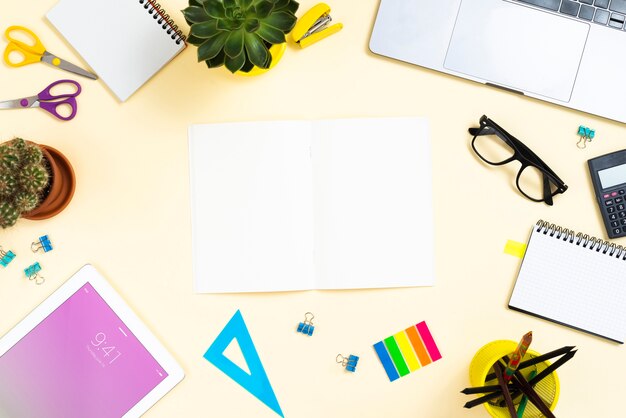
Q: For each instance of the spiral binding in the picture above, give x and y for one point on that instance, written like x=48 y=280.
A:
x=164 y=19
x=584 y=240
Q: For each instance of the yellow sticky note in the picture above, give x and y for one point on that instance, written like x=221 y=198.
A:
x=514 y=248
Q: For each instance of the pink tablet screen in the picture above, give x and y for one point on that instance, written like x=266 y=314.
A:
x=81 y=361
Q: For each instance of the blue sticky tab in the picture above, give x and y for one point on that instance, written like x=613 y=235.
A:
x=257 y=382
x=386 y=361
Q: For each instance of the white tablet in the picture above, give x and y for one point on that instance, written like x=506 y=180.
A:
x=83 y=353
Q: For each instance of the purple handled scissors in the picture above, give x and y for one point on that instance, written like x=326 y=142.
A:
x=48 y=101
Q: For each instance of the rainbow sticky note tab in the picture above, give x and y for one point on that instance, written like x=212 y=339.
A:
x=407 y=351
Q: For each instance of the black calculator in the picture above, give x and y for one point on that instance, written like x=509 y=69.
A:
x=608 y=174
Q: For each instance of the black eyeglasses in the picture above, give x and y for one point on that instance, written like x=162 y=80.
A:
x=495 y=146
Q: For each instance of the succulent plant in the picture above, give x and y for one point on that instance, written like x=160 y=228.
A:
x=23 y=178
x=238 y=33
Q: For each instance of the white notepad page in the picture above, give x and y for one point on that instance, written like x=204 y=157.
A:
x=297 y=205
x=119 y=39
x=572 y=285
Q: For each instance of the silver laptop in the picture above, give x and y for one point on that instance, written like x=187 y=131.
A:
x=571 y=53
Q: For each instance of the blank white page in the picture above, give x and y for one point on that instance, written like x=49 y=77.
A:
x=572 y=285
x=373 y=203
x=119 y=39
x=252 y=220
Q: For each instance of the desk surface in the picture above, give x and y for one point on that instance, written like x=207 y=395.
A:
x=130 y=218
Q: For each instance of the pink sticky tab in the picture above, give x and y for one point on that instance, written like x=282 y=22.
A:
x=427 y=338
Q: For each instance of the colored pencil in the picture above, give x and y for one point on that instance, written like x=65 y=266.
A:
x=517 y=355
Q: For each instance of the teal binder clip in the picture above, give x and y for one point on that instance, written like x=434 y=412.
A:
x=586 y=135
x=348 y=362
x=33 y=272
x=6 y=257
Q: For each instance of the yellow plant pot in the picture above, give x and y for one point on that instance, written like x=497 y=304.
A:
x=276 y=51
x=481 y=366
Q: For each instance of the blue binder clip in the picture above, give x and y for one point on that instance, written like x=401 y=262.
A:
x=348 y=362
x=43 y=244
x=33 y=273
x=6 y=257
x=307 y=326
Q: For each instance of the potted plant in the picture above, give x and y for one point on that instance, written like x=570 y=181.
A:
x=246 y=36
x=36 y=181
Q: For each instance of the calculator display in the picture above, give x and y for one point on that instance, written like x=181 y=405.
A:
x=613 y=176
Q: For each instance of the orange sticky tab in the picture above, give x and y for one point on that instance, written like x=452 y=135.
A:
x=418 y=345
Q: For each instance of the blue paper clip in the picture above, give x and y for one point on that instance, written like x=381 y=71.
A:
x=307 y=326
x=348 y=362
x=6 y=257
x=586 y=135
x=33 y=273
x=43 y=244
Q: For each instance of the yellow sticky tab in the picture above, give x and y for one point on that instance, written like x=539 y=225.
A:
x=407 y=351
x=514 y=248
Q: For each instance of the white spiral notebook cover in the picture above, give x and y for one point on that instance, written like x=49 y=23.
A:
x=574 y=280
x=126 y=42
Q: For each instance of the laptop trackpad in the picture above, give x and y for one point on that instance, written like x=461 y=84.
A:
x=517 y=47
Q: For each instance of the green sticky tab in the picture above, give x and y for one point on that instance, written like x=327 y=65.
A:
x=396 y=356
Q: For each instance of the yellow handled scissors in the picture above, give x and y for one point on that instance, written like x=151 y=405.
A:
x=36 y=53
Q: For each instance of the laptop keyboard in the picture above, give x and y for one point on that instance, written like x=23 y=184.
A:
x=610 y=13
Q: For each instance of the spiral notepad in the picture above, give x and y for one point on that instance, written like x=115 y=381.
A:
x=126 y=42
x=575 y=280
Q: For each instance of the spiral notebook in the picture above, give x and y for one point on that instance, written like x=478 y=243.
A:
x=574 y=280
x=126 y=42
x=326 y=204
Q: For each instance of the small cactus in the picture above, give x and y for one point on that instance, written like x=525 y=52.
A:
x=23 y=178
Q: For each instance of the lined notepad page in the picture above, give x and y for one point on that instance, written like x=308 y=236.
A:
x=573 y=285
x=119 y=39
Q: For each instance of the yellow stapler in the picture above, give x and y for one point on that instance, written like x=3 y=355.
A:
x=313 y=26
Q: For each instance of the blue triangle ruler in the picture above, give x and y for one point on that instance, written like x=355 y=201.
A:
x=256 y=382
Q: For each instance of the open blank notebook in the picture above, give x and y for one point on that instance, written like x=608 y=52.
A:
x=334 y=204
x=125 y=41
x=574 y=280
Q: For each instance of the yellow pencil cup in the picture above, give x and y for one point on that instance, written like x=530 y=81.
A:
x=482 y=365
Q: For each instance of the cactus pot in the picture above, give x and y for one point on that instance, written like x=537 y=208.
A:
x=60 y=191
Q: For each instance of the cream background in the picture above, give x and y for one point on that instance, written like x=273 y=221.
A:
x=130 y=218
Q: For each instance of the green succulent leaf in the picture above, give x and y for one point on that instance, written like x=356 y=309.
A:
x=235 y=64
x=252 y=25
x=234 y=44
x=229 y=24
x=230 y=4
x=215 y=9
x=245 y=3
x=217 y=61
x=256 y=50
x=284 y=21
x=194 y=40
x=270 y=34
x=198 y=3
x=195 y=14
x=212 y=46
x=204 y=29
x=264 y=8
x=280 y=4
x=292 y=7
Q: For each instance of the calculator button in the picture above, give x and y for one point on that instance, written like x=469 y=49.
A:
x=608 y=202
x=617 y=231
x=624 y=229
x=619 y=200
x=622 y=192
x=613 y=194
x=623 y=221
x=621 y=207
x=613 y=217
x=611 y=209
x=616 y=224
x=622 y=214
x=606 y=196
